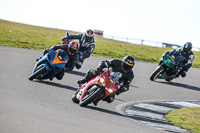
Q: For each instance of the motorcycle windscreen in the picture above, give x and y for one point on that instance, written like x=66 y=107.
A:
x=173 y=58
x=114 y=77
x=177 y=57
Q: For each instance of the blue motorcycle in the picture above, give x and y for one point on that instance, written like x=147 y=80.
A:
x=49 y=65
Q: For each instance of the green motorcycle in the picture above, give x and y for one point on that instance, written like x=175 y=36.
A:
x=169 y=66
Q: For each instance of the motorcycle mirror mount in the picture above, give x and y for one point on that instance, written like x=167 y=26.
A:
x=67 y=35
x=107 y=65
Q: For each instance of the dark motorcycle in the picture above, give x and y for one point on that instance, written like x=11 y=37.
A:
x=169 y=66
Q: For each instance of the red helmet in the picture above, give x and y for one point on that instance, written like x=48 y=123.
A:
x=73 y=47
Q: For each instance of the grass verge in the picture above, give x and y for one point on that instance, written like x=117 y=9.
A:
x=187 y=118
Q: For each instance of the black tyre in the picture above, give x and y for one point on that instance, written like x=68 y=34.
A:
x=87 y=99
x=69 y=67
x=168 y=80
x=37 y=73
x=156 y=73
x=74 y=99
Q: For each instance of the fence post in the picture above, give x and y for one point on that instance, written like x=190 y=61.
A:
x=142 y=41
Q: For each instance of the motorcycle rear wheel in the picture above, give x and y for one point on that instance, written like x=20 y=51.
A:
x=87 y=99
x=37 y=73
x=156 y=73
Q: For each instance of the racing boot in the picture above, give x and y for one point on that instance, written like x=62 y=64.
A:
x=81 y=81
x=89 y=75
x=183 y=74
x=178 y=74
x=169 y=80
x=51 y=78
x=95 y=102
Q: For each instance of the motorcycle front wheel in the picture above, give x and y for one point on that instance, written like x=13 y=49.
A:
x=74 y=99
x=156 y=73
x=88 y=98
x=38 y=73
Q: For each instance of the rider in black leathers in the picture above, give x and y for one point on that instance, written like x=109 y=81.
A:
x=186 y=52
x=122 y=66
x=188 y=55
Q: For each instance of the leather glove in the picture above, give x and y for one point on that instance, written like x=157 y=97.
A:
x=45 y=51
x=80 y=57
x=182 y=65
x=65 y=38
x=99 y=69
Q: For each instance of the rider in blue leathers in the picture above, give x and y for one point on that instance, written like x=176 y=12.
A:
x=87 y=45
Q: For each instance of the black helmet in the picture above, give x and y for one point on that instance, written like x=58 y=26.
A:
x=89 y=35
x=73 y=47
x=128 y=63
x=187 y=47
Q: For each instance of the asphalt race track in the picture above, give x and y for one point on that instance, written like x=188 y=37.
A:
x=46 y=106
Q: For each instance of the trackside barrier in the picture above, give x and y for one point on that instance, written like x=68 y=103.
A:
x=140 y=41
x=146 y=42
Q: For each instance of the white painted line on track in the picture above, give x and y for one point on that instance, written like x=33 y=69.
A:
x=154 y=107
x=185 y=104
x=165 y=127
x=144 y=114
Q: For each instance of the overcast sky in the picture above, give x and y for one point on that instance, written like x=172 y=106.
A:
x=172 y=21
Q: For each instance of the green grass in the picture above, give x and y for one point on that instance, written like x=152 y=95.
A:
x=34 y=37
x=187 y=118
